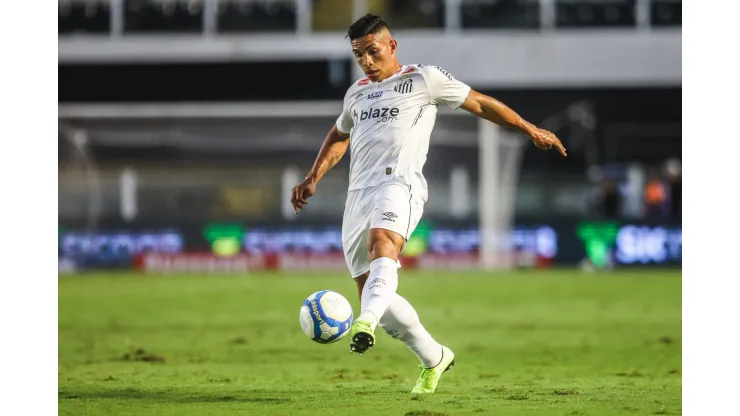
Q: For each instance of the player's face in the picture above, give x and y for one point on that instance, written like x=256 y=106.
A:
x=376 y=55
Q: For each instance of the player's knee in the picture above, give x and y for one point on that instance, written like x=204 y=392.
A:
x=384 y=243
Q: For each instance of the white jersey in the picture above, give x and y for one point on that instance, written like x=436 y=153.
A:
x=390 y=122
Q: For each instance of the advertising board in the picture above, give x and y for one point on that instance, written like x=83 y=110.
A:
x=238 y=247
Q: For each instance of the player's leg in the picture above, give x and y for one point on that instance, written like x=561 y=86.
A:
x=384 y=247
x=391 y=220
x=399 y=319
x=377 y=289
x=389 y=223
x=355 y=240
x=402 y=322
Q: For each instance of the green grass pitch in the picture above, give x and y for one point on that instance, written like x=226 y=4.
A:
x=527 y=343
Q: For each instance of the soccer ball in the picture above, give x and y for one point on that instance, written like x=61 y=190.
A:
x=326 y=316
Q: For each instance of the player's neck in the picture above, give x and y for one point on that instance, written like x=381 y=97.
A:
x=396 y=70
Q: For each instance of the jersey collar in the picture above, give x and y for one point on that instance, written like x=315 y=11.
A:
x=400 y=70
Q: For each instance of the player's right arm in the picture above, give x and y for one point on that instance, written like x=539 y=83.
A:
x=331 y=152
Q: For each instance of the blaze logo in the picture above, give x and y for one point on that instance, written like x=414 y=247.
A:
x=383 y=114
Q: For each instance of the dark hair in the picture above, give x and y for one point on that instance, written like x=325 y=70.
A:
x=366 y=25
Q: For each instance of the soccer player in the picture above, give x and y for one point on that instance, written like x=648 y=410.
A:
x=386 y=120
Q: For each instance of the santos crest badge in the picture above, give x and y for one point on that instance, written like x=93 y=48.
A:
x=404 y=87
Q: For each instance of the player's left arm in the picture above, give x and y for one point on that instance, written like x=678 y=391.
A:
x=491 y=109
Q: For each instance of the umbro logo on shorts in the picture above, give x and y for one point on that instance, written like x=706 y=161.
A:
x=389 y=216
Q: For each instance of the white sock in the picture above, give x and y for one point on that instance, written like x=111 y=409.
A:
x=379 y=289
x=401 y=322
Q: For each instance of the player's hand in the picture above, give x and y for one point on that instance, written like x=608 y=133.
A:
x=546 y=140
x=301 y=193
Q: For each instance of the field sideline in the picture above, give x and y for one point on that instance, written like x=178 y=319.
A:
x=527 y=343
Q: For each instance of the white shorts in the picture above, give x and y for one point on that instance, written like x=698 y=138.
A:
x=391 y=205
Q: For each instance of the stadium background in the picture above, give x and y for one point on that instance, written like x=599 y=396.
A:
x=182 y=125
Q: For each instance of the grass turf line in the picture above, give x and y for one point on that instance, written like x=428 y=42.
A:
x=527 y=343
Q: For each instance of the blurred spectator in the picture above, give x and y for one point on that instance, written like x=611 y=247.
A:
x=633 y=190
x=673 y=178
x=655 y=195
x=608 y=201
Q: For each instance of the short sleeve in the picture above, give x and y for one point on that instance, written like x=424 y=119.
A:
x=444 y=88
x=345 y=122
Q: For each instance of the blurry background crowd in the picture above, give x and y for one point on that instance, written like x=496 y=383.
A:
x=183 y=123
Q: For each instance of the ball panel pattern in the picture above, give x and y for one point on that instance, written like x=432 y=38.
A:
x=320 y=313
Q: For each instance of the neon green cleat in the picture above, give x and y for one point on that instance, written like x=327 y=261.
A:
x=362 y=336
x=429 y=377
